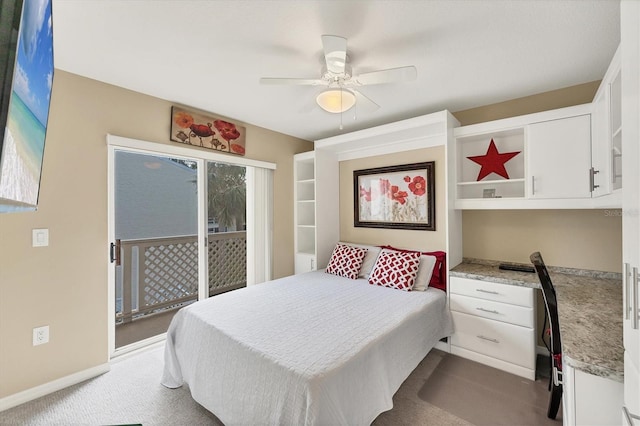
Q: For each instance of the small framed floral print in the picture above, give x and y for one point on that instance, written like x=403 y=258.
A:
x=396 y=197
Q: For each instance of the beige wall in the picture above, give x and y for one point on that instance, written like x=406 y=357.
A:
x=585 y=239
x=569 y=96
x=426 y=240
x=589 y=239
x=65 y=285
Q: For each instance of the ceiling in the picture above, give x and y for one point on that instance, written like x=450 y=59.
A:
x=211 y=54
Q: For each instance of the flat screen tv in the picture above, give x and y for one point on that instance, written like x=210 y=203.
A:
x=26 y=75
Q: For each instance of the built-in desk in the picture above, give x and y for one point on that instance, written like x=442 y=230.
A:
x=589 y=310
x=590 y=315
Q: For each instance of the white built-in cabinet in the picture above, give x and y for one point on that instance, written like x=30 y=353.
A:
x=617 y=123
x=630 y=74
x=494 y=324
x=304 y=212
x=317 y=184
x=553 y=167
x=316 y=216
x=607 y=131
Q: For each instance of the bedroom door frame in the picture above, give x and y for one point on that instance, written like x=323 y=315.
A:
x=258 y=240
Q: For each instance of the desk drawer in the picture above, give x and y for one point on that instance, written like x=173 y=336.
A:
x=507 y=342
x=504 y=293
x=513 y=314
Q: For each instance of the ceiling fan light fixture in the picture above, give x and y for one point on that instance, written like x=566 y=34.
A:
x=336 y=101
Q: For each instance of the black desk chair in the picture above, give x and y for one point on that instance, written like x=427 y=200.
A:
x=551 y=304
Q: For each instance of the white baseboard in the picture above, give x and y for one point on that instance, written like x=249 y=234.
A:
x=50 y=387
x=495 y=363
x=443 y=346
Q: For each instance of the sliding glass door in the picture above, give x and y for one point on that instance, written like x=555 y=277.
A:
x=156 y=235
x=184 y=225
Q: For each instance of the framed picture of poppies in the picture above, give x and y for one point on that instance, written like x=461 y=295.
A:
x=193 y=128
x=396 y=197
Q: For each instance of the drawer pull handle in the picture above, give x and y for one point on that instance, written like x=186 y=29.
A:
x=627 y=288
x=488 y=310
x=481 y=290
x=488 y=338
x=634 y=297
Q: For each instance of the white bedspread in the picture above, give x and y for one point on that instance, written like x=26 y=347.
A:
x=310 y=349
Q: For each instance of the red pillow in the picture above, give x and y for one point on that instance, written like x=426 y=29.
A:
x=395 y=269
x=439 y=277
x=346 y=261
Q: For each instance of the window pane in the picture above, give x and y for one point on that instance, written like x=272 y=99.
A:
x=227 y=201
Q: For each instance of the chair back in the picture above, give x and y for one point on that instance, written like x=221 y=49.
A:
x=550 y=301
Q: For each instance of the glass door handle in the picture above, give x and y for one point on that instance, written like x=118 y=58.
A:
x=114 y=252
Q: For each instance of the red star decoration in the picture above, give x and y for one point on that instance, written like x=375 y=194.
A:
x=493 y=161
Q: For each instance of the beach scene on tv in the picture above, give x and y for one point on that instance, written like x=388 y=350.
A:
x=24 y=135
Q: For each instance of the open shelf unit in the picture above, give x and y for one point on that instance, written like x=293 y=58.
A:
x=305 y=208
x=493 y=185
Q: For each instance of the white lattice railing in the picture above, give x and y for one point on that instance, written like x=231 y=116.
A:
x=158 y=274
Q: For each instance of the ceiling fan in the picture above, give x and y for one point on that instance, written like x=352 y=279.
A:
x=341 y=93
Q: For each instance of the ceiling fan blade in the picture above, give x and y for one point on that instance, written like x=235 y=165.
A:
x=335 y=53
x=364 y=102
x=292 y=81
x=393 y=75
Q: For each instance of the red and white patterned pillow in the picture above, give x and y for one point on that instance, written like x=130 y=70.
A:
x=346 y=261
x=395 y=269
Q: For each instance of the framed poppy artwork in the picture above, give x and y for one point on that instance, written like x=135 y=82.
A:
x=396 y=197
x=196 y=129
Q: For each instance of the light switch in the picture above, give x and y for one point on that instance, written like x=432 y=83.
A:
x=40 y=237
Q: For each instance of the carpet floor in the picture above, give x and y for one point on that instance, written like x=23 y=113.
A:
x=442 y=390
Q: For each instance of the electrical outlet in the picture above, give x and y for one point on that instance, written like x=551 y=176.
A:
x=40 y=335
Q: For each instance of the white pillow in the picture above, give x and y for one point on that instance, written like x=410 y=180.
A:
x=369 y=258
x=425 y=271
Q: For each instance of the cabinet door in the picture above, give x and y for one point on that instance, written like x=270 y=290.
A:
x=304 y=263
x=559 y=158
x=630 y=63
x=596 y=400
x=631 y=388
x=601 y=144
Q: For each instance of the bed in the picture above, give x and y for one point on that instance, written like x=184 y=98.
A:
x=309 y=349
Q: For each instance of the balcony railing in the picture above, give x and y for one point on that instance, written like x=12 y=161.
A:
x=159 y=274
